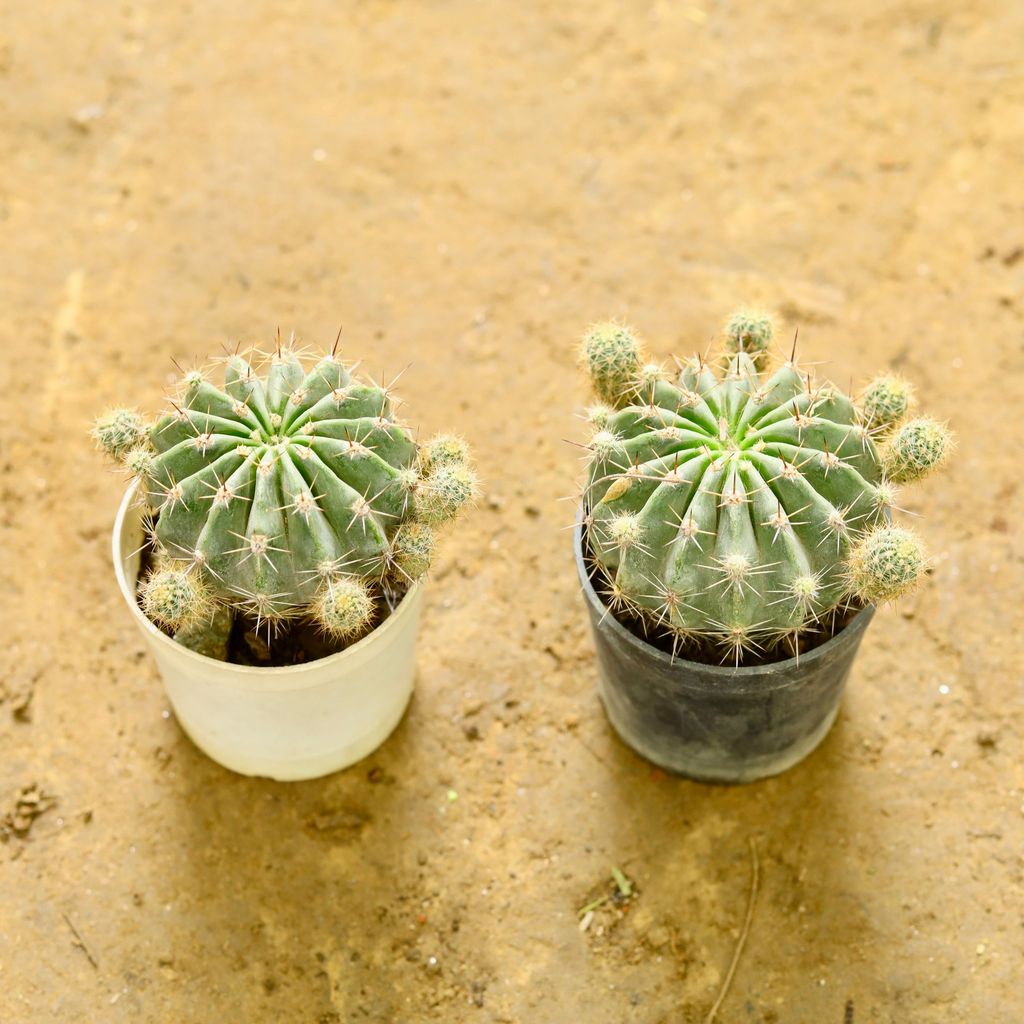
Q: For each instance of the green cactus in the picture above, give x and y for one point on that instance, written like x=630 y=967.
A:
x=294 y=494
x=119 y=431
x=915 y=449
x=611 y=356
x=176 y=598
x=412 y=549
x=751 y=332
x=440 y=494
x=343 y=607
x=744 y=511
x=885 y=401
x=444 y=450
x=884 y=563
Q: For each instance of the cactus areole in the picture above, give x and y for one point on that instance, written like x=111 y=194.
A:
x=740 y=508
x=291 y=493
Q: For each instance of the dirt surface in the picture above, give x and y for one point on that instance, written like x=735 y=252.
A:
x=464 y=184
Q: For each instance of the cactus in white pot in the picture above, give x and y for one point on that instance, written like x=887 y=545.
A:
x=291 y=490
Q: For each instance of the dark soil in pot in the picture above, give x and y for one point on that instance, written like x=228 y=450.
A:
x=285 y=643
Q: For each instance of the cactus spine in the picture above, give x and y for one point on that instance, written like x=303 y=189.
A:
x=729 y=508
x=293 y=494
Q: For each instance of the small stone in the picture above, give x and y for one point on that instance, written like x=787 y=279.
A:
x=84 y=117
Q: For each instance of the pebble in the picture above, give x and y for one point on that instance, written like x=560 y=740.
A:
x=85 y=116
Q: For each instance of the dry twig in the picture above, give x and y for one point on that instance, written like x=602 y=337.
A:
x=80 y=942
x=755 y=878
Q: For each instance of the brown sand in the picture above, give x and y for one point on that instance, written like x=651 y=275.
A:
x=464 y=184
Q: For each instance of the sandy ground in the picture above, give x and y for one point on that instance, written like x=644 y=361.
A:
x=464 y=184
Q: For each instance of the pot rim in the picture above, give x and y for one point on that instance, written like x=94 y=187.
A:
x=285 y=674
x=856 y=625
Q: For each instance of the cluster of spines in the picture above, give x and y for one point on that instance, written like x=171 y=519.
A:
x=876 y=561
x=185 y=594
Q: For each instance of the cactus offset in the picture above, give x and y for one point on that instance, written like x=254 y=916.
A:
x=119 y=431
x=441 y=493
x=343 y=607
x=751 y=332
x=412 y=549
x=176 y=598
x=297 y=494
x=884 y=562
x=915 y=449
x=885 y=401
x=743 y=510
x=611 y=356
x=444 y=450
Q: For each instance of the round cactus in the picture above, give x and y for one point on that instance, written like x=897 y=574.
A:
x=445 y=491
x=266 y=480
x=885 y=401
x=176 y=598
x=728 y=508
x=344 y=607
x=916 y=449
x=286 y=493
x=611 y=355
x=885 y=564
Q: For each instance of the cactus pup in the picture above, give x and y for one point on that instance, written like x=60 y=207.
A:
x=738 y=506
x=289 y=491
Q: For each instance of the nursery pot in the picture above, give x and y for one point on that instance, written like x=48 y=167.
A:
x=714 y=723
x=296 y=722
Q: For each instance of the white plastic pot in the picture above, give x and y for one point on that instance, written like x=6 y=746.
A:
x=298 y=722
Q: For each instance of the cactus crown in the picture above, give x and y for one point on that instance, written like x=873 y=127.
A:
x=297 y=492
x=743 y=510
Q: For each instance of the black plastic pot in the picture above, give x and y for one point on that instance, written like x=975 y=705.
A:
x=715 y=723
